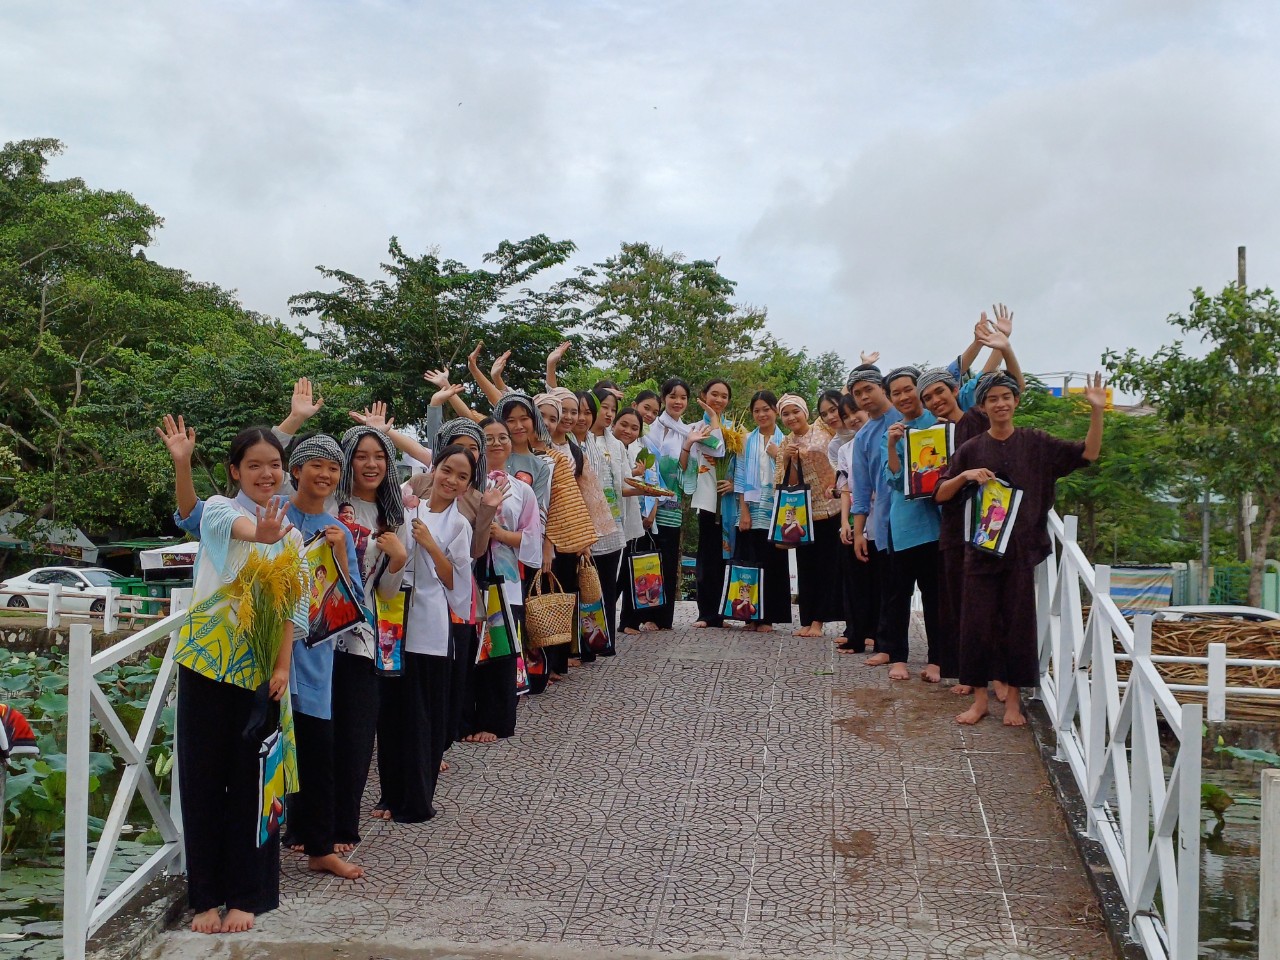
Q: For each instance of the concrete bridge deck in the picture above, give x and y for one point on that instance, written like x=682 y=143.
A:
x=718 y=793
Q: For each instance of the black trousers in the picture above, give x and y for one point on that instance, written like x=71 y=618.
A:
x=608 y=564
x=355 y=725
x=861 y=583
x=629 y=617
x=710 y=570
x=755 y=547
x=412 y=734
x=219 y=773
x=312 y=807
x=915 y=566
x=998 y=639
x=818 y=574
x=494 y=698
x=668 y=539
x=466 y=643
x=950 y=606
x=565 y=568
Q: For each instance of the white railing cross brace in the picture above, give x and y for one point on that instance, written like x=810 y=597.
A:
x=83 y=912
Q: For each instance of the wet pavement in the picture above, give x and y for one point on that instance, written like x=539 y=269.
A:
x=717 y=793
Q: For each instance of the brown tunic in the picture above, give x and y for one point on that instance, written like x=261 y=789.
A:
x=998 y=609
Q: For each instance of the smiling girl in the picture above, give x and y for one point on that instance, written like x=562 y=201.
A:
x=439 y=568
x=218 y=674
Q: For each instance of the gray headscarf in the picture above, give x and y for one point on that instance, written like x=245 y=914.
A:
x=868 y=373
x=907 y=371
x=463 y=427
x=989 y=381
x=390 y=503
x=936 y=375
x=319 y=446
x=514 y=398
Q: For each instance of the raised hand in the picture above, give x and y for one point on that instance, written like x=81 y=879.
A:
x=1095 y=391
x=556 y=355
x=1004 y=319
x=437 y=378
x=304 y=403
x=473 y=358
x=179 y=439
x=697 y=433
x=991 y=336
x=445 y=394
x=499 y=365
x=273 y=522
x=374 y=416
x=493 y=496
x=871 y=357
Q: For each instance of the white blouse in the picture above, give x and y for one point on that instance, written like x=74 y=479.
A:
x=427 y=624
x=608 y=458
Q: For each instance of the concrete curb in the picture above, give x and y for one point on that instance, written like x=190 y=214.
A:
x=1097 y=868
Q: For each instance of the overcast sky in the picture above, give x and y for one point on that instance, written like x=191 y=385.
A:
x=874 y=174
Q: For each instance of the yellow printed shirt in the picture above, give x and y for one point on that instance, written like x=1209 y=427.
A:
x=208 y=641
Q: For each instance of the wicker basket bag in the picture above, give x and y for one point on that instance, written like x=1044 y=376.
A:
x=549 y=615
x=589 y=589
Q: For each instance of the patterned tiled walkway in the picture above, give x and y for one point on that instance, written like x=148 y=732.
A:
x=719 y=793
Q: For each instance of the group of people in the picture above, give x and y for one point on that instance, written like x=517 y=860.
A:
x=548 y=487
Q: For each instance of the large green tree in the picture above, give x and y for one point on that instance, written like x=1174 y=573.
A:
x=430 y=311
x=97 y=341
x=1219 y=397
x=662 y=315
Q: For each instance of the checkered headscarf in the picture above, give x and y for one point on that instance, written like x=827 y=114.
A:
x=390 y=503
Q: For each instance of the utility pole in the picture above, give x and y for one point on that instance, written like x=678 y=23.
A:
x=1204 y=546
x=1245 y=522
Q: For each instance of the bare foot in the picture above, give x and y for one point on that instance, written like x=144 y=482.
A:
x=237 y=921
x=699 y=624
x=961 y=689
x=1002 y=690
x=210 y=921
x=485 y=737
x=332 y=863
x=931 y=673
x=899 y=671
x=344 y=848
x=764 y=628
x=630 y=631
x=575 y=662
x=444 y=765
x=877 y=660
x=650 y=627
x=387 y=816
x=379 y=813
x=1013 y=715
x=972 y=715
x=555 y=677
x=471 y=738
x=296 y=848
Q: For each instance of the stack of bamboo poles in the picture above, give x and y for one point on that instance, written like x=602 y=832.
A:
x=1244 y=641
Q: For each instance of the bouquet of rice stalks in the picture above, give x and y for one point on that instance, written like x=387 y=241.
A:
x=735 y=441
x=265 y=593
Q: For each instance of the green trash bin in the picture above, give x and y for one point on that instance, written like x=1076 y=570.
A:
x=132 y=587
x=158 y=590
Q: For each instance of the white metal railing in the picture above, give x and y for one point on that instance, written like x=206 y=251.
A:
x=115 y=607
x=1109 y=735
x=83 y=912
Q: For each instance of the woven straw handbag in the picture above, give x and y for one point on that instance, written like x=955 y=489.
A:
x=589 y=589
x=549 y=615
x=569 y=524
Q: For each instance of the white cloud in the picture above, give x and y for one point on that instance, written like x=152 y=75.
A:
x=871 y=173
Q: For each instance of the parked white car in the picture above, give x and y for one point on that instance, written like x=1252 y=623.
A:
x=1215 y=611
x=84 y=590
